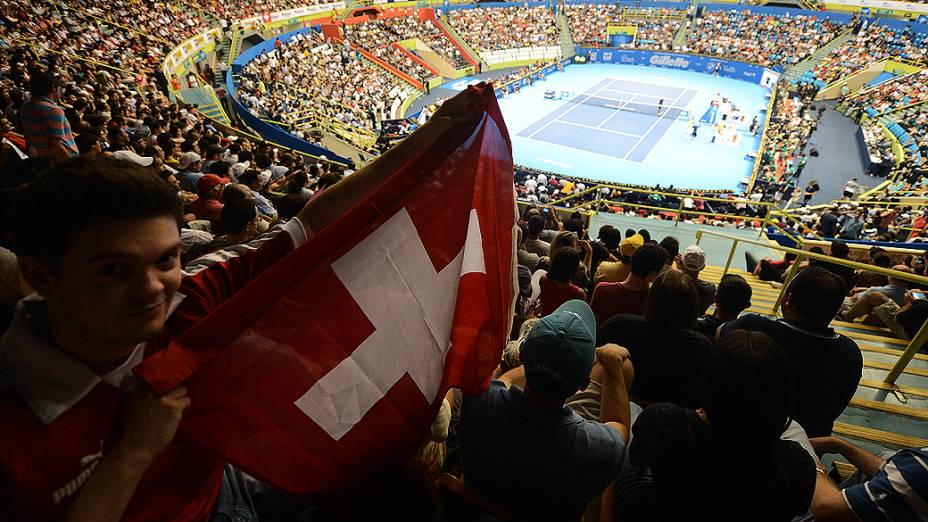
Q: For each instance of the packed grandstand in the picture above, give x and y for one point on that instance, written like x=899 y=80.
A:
x=196 y=199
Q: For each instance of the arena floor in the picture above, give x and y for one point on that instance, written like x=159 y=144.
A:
x=608 y=127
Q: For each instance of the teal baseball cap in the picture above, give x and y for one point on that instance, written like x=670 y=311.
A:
x=559 y=351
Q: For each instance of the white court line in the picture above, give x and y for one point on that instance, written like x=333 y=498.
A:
x=658 y=120
x=603 y=130
x=617 y=111
x=661 y=117
x=558 y=118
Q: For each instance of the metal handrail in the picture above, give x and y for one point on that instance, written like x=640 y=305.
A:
x=771 y=105
x=917 y=340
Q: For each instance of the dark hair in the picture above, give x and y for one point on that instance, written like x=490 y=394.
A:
x=817 y=294
x=840 y=249
x=912 y=318
x=649 y=258
x=671 y=246
x=748 y=391
x=610 y=236
x=237 y=214
x=564 y=265
x=882 y=260
x=874 y=250
x=629 y=232
x=535 y=225
x=85 y=142
x=82 y=192
x=817 y=250
x=645 y=234
x=733 y=294
x=672 y=301
x=575 y=226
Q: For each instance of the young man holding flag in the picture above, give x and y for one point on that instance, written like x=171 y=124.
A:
x=82 y=438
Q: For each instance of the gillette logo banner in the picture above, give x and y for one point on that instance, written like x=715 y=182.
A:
x=701 y=64
x=666 y=60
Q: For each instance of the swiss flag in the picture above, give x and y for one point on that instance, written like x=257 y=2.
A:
x=332 y=364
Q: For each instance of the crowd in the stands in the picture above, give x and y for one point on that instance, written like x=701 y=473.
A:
x=307 y=73
x=108 y=190
x=375 y=34
x=654 y=29
x=794 y=119
x=892 y=95
x=762 y=39
x=871 y=221
x=495 y=28
x=871 y=44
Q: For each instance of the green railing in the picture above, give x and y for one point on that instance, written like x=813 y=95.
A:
x=917 y=341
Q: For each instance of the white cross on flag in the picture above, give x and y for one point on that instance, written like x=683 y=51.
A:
x=332 y=364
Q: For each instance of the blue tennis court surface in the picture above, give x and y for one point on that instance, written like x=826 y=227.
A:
x=608 y=126
x=617 y=118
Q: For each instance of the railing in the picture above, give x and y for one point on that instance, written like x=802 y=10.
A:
x=914 y=345
x=771 y=105
x=678 y=208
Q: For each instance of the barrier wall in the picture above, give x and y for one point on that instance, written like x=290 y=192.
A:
x=274 y=133
x=510 y=87
x=686 y=62
x=521 y=54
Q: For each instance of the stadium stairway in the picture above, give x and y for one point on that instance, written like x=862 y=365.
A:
x=567 y=41
x=803 y=71
x=206 y=102
x=446 y=25
x=679 y=39
x=876 y=419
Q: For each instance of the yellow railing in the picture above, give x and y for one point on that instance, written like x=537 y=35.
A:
x=763 y=139
x=914 y=345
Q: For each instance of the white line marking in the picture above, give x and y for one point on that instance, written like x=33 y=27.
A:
x=601 y=130
x=558 y=118
x=651 y=128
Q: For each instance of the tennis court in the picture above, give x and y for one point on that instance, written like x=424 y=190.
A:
x=608 y=126
x=619 y=118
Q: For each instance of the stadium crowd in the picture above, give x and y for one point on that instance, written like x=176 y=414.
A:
x=652 y=349
x=307 y=73
x=871 y=44
x=890 y=95
x=375 y=34
x=655 y=28
x=762 y=39
x=495 y=28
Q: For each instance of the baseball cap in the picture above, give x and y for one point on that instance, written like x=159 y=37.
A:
x=629 y=245
x=559 y=351
x=208 y=182
x=128 y=155
x=693 y=258
x=188 y=159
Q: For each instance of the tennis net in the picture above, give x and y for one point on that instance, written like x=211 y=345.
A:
x=653 y=109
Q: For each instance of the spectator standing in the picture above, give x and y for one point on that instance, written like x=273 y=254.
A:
x=521 y=426
x=628 y=297
x=666 y=353
x=556 y=285
x=44 y=124
x=748 y=391
x=691 y=263
x=828 y=365
x=732 y=297
x=617 y=271
x=851 y=188
x=534 y=245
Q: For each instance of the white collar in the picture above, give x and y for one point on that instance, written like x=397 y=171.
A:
x=47 y=378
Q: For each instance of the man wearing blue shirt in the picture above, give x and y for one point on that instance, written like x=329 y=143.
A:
x=865 y=301
x=897 y=489
x=527 y=452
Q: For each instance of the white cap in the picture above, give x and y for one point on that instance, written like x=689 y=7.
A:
x=128 y=155
x=188 y=159
x=693 y=258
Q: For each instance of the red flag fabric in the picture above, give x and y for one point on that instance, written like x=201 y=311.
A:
x=332 y=364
